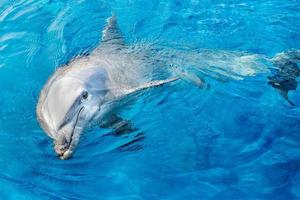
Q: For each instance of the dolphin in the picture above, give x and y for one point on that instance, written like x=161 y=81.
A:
x=89 y=88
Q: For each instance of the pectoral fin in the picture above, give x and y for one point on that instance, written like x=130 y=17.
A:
x=130 y=94
x=149 y=85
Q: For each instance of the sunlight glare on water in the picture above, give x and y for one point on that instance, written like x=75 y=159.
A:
x=236 y=139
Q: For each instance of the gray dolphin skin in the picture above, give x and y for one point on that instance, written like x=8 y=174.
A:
x=85 y=90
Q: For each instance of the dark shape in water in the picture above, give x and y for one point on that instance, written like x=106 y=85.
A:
x=286 y=73
x=119 y=125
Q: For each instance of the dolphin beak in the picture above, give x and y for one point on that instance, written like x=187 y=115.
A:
x=73 y=143
x=62 y=150
x=60 y=145
x=58 y=150
x=66 y=148
x=66 y=155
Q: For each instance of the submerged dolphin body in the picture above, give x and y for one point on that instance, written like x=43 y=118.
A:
x=87 y=89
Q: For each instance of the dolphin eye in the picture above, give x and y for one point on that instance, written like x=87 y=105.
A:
x=85 y=95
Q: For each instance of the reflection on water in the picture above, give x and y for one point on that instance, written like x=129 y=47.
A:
x=237 y=139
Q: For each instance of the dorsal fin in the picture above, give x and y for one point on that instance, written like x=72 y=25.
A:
x=111 y=33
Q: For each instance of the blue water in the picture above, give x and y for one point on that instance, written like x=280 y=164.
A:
x=236 y=140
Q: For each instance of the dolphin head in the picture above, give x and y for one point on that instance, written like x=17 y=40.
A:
x=67 y=105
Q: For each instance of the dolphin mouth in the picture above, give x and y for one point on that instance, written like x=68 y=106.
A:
x=69 y=143
x=77 y=117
